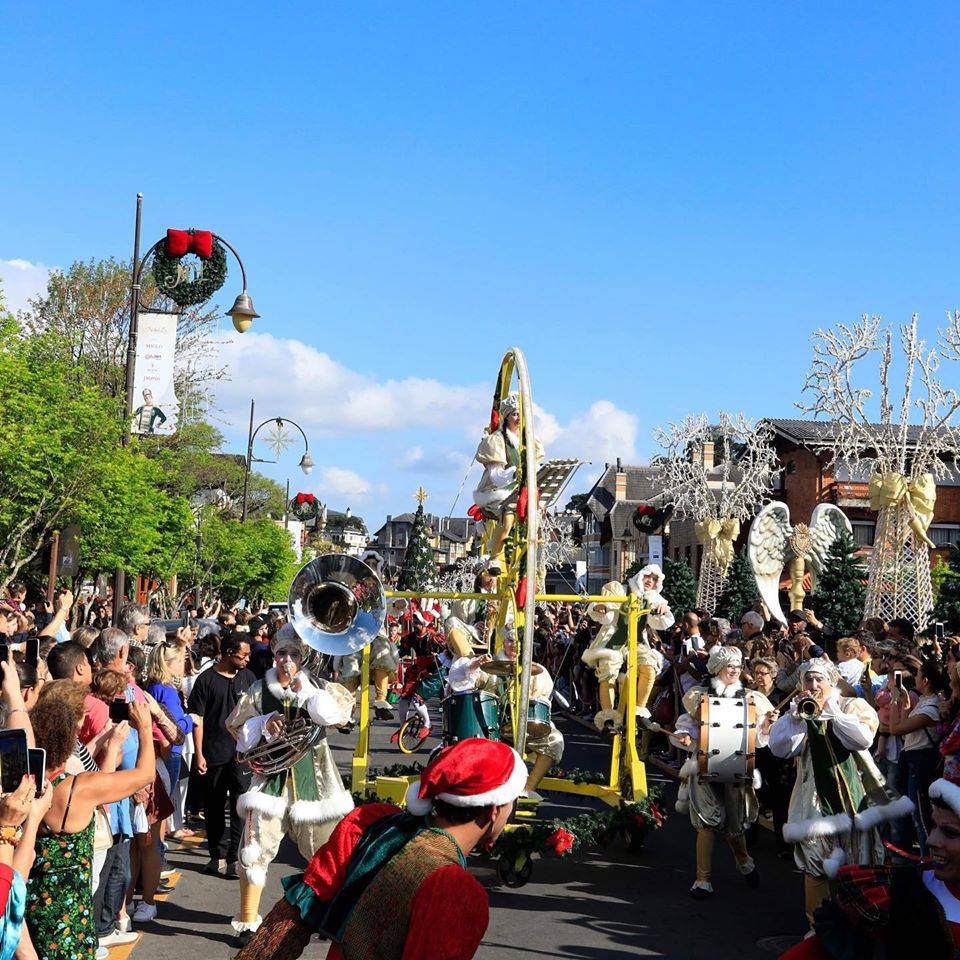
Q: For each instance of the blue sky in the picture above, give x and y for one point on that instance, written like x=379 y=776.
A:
x=658 y=202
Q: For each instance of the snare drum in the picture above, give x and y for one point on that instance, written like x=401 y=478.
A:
x=728 y=740
x=538 y=721
x=471 y=714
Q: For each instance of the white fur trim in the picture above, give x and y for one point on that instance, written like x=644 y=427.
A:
x=948 y=792
x=874 y=816
x=607 y=716
x=757 y=779
x=833 y=863
x=505 y=793
x=272 y=682
x=255 y=801
x=249 y=854
x=690 y=768
x=817 y=827
x=320 y=811
x=683 y=798
x=256 y=876
x=240 y=926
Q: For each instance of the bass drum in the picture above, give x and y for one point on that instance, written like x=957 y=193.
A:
x=728 y=740
x=472 y=714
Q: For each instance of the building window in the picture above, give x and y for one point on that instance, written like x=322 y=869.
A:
x=945 y=535
x=863 y=532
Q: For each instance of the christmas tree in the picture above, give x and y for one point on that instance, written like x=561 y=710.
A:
x=739 y=591
x=841 y=588
x=419 y=570
x=947 y=606
x=679 y=587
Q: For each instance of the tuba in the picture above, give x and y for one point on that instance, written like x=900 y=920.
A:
x=337 y=606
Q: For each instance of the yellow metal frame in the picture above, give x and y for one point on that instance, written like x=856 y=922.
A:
x=627 y=780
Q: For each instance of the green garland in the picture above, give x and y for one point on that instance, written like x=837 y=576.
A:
x=584 y=831
x=576 y=775
x=165 y=270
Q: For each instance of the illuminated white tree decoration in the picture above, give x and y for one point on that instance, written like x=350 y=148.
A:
x=278 y=438
x=717 y=498
x=904 y=458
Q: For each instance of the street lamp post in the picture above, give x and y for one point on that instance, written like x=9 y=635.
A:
x=242 y=314
x=306 y=461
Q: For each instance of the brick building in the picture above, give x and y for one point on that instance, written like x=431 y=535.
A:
x=804 y=480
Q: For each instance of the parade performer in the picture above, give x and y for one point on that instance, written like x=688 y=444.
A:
x=606 y=654
x=727 y=808
x=424 y=678
x=384 y=650
x=393 y=885
x=896 y=910
x=469 y=623
x=839 y=797
x=499 y=455
x=546 y=750
x=308 y=799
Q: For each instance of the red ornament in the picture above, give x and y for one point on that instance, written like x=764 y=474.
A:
x=494 y=419
x=560 y=841
x=475 y=513
x=521 y=593
x=522 y=503
x=180 y=242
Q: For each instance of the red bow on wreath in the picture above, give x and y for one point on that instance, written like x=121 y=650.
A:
x=302 y=498
x=560 y=841
x=180 y=242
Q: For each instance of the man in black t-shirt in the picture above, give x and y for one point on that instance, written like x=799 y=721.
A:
x=213 y=698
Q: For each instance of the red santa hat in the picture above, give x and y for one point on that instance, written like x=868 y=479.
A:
x=424 y=616
x=946 y=791
x=471 y=773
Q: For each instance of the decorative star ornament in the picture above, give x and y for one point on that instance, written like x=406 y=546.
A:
x=278 y=438
x=420 y=495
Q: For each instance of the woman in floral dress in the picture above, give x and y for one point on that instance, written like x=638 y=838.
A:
x=59 y=893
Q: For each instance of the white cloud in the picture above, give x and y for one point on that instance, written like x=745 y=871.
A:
x=434 y=460
x=21 y=281
x=332 y=399
x=602 y=434
x=343 y=484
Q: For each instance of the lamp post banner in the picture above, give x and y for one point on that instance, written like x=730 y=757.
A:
x=154 y=402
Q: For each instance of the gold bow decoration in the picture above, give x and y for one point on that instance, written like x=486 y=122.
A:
x=892 y=489
x=717 y=537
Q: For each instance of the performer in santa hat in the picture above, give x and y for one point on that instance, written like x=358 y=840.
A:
x=393 y=885
x=304 y=801
x=896 y=910
x=425 y=679
x=840 y=797
x=726 y=808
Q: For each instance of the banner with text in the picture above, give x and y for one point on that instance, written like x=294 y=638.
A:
x=155 y=404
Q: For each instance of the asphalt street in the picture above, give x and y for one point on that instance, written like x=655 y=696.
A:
x=605 y=905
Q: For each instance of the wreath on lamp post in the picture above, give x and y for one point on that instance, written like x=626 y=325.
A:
x=305 y=507
x=176 y=279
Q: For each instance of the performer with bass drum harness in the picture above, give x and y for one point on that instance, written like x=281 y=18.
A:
x=723 y=726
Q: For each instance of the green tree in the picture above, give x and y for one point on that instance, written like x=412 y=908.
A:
x=679 y=587
x=419 y=569
x=739 y=591
x=252 y=560
x=947 y=607
x=841 y=588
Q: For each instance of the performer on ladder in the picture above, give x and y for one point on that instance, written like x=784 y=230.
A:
x=606 y=655
x=393 y=885
x=306 y=800
x=546 y=750
x=499 y=455
x=727 y=808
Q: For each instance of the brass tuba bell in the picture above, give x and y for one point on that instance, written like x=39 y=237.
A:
x=337 y=604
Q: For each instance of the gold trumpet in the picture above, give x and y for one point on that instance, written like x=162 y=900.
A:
x=808 y=708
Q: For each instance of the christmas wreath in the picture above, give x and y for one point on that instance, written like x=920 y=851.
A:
x=304 y=506
x=171 y=275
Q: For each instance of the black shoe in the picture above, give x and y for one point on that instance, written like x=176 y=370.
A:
x=698 y=893
x=752 y=879
x=245 y=937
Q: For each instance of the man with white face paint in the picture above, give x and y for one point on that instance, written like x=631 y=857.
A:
x=727 y=808
x=306 y=799
x=839 y=797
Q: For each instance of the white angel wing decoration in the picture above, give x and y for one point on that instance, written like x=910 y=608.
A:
x=767 y=549
x=827 y=522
